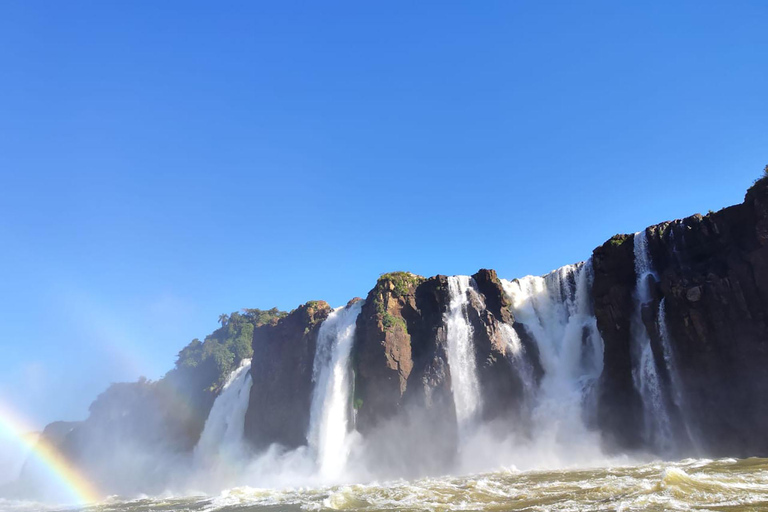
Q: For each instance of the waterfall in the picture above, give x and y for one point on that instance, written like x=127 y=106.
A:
x=461 y=354
x=519 y=359
x=658 y=428
x=222 y=437
x=678 y=398
x=556 y=312
x=669 y=357
x=331 y=402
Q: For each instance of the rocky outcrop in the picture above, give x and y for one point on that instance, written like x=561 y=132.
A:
x=402 y=342
x=501 y=385
x=402 y=380
x=54 y=434
x=619 y=406
x=281 y=369
x=383 y=352
x=713 y=278
x=403 y=377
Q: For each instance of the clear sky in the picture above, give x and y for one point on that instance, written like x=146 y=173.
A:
x=165 y=162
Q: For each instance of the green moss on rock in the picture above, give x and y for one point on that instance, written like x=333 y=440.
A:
x=618 y=240
x=402 y=282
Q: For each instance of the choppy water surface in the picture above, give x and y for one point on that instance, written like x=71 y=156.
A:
x=727 y=484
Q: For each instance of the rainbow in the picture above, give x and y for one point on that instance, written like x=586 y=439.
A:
x=59 y=467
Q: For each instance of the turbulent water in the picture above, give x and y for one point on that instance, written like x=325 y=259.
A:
x=694 y=484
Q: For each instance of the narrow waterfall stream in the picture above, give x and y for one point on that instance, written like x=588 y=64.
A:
x=658 y=426
x=677 y=391
x=331 y=401
x=461 y=354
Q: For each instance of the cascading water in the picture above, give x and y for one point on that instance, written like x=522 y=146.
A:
x=556 y=312
x=330 y=413
x=461 y=354
x=519 y=359
x=658 y=427
x=221 y=442
x=669 y=357
x=678 y=396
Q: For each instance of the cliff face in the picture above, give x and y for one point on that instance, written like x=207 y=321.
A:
x=713 y=281
x=620 y=411
x=383 y=352
x=281 y=369
x=401 y=350
x=501 y=385
x=403 y=389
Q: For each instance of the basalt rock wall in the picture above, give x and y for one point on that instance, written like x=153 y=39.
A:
x=281 y=369
x=712 y=275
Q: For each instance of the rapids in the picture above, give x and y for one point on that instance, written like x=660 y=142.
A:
x=692 y=484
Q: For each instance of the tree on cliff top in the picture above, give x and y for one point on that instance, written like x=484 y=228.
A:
x=214 y=358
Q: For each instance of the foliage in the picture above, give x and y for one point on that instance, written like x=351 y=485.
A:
x=173 y=410
x=221 y=351
x=263 y=316
x=388 y=320
x=618 y=240
x=402 y=282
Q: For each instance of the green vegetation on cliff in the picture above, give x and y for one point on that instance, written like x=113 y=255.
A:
x=617 y=240
x=402 y=282
x=399 y=285
x=222 y=350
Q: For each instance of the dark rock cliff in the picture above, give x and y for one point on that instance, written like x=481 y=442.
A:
x=619 y=407
x=281 y=395
x=383 y=353
x=501 y=386
x=402 y=384
x=713 y=279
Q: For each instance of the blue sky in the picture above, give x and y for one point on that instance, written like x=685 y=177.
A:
x=165 y=162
